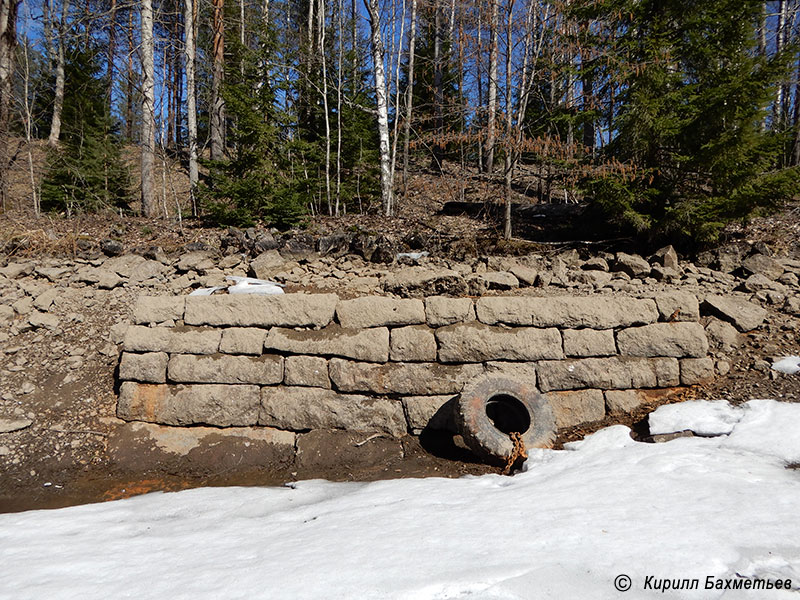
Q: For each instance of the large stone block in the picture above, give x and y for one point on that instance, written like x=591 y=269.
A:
x=415 y=379
x=242 y=340
x=589 y=342
x=696 y=370
x=222 y=368
x=677 y=306
x=304 y=408
x=250 y=310
x=596 y=312
x=218 y=405
x=415 y=343
x=523 y=372
x=745 y=315
x=157 y=309
x=607 y=373
x=150 y=367
x=310 y=371
x=441 y=311
x=361 y=344
x=627 y=401
x=430 y=412
x=576 y=407
x=476 y=342
x=175 y=340
x=664 y=339
x=379 y=311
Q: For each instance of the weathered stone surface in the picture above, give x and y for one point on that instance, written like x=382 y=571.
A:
x=763 y=265
x=308 y=371
x=476 y=342
x=9 y=425
x=680 y=340
x=222 y=368
x=757 y=282
x=45 y=300
x=361 y=344
x=441 y=311
x=622 y=401
x=199 y=260
x=281 y=310
x=6 y=314
x=149 y=368
x=589 y=342
x=523 y=372
x=722 y=335
x=415 y=343
x=418 y=282
x=109 y=280
x=696 y=370
x=46 y=320
x=430 y=412
x=632 y=264
x=575 y=407
x=415 y=379
x=596 y=263
x=607 y=373
x=667 y=257
x=499 y=280
x=303 y=408
x=567 y=312
x=242 y=340
x=596 y=279
x=379 y=311
x=176 y=340
x=157 y=309
x=792 y=306
x=267 y=264
x=677 y=306
x=525 y=275
x=14 y=270
x=745 y=315
x=218 y=405
x=660 y=273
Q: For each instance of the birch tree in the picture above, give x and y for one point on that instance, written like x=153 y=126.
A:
x=8 y=41
x=191 y=101
x=148 y=110
x=381 y=99
x=58 y=100
x=488 y=162
x=217 y=132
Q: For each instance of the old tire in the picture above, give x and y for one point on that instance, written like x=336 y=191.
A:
x=490 y=408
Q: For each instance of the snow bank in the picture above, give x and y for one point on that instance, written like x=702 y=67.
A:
x=565 y=528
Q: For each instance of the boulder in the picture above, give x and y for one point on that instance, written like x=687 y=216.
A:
x=677 y=306
x=745 y=315
x=632 y=264
x=760 y=264
x=199 y=260
x=595 y=263
x=722 y=335
x=267 y=264
x=499 y=280
x=666 y=257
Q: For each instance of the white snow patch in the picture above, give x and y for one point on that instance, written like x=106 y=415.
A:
x=565 y=528
x=700 y=416
x=788 y=364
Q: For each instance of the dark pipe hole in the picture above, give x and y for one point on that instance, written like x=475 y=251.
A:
x=508 y=414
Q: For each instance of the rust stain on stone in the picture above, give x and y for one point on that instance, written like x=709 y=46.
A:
x=149 y=397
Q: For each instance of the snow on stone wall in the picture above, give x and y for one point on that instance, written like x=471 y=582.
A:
x=308 y=361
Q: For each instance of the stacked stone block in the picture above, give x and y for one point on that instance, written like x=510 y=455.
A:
x=307 y=361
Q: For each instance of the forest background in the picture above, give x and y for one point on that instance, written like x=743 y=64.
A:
x=672 y=117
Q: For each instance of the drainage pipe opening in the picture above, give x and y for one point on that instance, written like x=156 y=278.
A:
x=508 y=414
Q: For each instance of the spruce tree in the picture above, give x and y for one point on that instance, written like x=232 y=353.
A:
x=86 y=173
x=693 y=95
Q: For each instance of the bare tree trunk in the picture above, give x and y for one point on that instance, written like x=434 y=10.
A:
x=381 y=97
x=412 y=40
x=508 y=166
x=587 y=83
x=438 y=87
x=8 y=40
x=112 y=36
x=321 y=43
x=191 y=102
x=217 y=132
x=58 y=100
x=339 y=83
x=148 y=110
x=488 y=161
x=796 y=149
x=780 y=39
x=129 y=99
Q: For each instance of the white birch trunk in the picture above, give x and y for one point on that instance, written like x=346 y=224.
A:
x=492 y=92
x=148 y=110
x=381 y=98
x=58 y=100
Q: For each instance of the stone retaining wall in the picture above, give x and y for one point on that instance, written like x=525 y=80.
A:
x=308 y=361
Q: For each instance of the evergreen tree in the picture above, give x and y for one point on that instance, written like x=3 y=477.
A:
x=86 y=171
x=693 y=96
